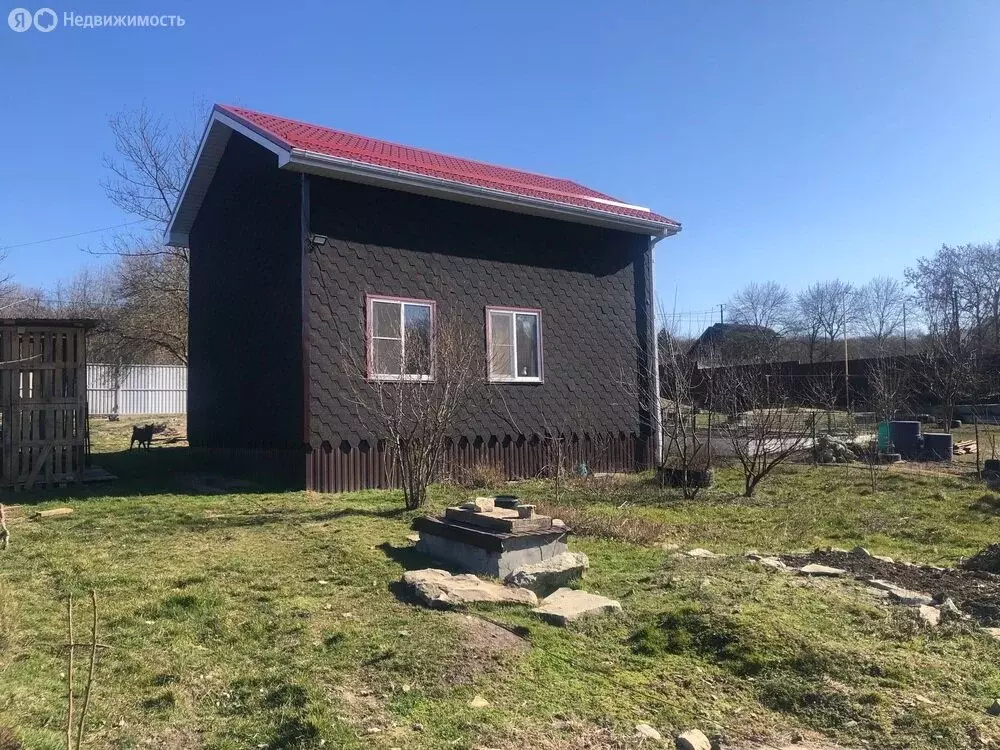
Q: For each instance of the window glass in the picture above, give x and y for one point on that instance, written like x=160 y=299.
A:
x=514 y=345
x=386 y=319
x=387 y=355
x=501 y=345
x=401 y=339
x=527 y=346
x=417 y=326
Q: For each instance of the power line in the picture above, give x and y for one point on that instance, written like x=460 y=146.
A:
x=70 y=236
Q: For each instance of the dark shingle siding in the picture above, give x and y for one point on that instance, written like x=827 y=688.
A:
x=586 y=280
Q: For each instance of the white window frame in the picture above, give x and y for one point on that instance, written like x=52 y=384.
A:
x=514 y=312
x=370 y=301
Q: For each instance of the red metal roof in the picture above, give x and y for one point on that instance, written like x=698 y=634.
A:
x=341 y=145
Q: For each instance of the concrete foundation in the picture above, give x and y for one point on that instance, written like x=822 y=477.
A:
x=487 y=552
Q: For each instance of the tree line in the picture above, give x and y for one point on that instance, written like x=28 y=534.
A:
x=948 y=300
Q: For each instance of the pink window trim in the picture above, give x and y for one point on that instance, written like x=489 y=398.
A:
x=541 y=349
x=370 y=333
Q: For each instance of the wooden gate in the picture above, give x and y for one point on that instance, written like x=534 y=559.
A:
x=43 y=401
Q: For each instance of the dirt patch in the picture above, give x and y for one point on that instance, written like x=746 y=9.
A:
x=976 y=592
x=484 y=647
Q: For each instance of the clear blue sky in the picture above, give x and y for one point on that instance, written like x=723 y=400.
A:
x=795 y=140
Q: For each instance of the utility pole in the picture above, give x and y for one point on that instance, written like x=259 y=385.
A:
x=721 y=308
x=847 y=367
x=904 y=327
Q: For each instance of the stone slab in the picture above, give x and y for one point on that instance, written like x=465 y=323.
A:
x=902 y=596
x=569 y=605
x=441 y=590
x=499 y=519
x=548 y=575
x=821 y=570
x=496 y=541
x=500 y=558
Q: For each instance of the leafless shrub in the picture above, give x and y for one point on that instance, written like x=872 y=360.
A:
x=685 y=448
x=761 y=430
x=620 y=525
x=482 y=475
x=414 y=390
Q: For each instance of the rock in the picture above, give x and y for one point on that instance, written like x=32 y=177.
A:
x=417 y=726
x=930 y=615
x=910 y=598
x=693 y=739
x=883 y=558
x=568 y=605
x=413 y=538
x=670 y=546
x=830 y=450
x=558 y=522
x=774 y=563
x=702 y=553
x=485 y=504
x=994 y=710
x=992 y=633
x=440 y=589
x=949 y=609
x=900 y=595
x=644 y=730
x=525 y=511
x=820 y=570
x=479 y=702
x=548 y=575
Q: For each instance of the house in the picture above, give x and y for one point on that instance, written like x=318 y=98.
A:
x=309 y=244
x=734 y=343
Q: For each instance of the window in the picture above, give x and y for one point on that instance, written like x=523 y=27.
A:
x=514 y=344
x=400 y=332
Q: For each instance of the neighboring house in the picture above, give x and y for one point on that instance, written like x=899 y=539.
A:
x=726 y=344
x=309 y=245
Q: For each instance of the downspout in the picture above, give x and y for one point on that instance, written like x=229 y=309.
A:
x=657 y=411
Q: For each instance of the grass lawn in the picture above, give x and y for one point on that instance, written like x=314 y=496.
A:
x=244 y=618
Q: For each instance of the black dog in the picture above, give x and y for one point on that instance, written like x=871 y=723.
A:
x=142 y=435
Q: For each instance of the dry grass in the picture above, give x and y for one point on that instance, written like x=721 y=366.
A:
x=483 y=475
x=619 y=525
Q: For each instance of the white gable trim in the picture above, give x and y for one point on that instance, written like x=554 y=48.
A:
x=213 y=144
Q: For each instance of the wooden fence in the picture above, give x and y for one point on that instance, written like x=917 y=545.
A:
x=43 y=401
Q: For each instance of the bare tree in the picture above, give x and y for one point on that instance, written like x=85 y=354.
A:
x=949 y=371
x=767 y=304
x=145 y=178
x=879 y=309
x=762 y=431
x=822 y=312
x=685 y=449
x=414 y=391
x=889 y=381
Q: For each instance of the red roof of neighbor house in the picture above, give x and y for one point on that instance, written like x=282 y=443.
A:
x=338 y=144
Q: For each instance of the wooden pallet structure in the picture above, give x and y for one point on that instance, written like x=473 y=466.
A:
x=43 y=401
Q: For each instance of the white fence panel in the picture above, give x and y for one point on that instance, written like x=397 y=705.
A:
x=137 y=389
